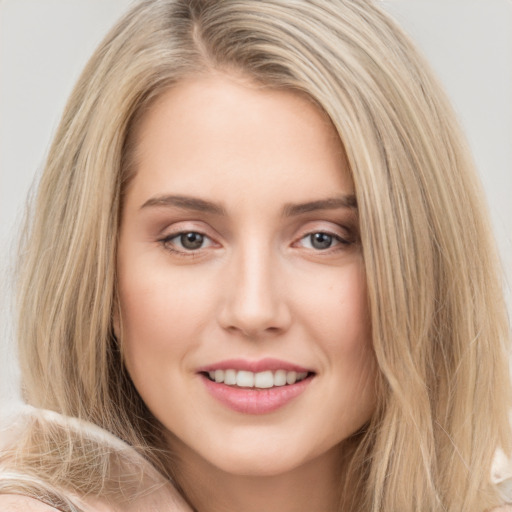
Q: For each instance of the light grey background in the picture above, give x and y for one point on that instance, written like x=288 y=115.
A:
x=45 y=43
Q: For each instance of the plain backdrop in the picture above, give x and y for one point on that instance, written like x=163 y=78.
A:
x=44 y=44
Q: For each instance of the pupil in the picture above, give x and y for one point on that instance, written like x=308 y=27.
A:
x=321 y=240
x=191 y=240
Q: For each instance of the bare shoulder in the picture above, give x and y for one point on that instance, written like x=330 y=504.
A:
x=17 y=503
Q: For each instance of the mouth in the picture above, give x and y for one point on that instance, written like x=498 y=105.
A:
x=256 y=387
x=259 y=380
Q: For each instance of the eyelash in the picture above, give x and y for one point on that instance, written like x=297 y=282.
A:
x=340 y=244
x=169 y=245
x=187 y=253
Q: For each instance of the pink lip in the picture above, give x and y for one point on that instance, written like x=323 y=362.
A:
x=253 y=366
x=252 y=400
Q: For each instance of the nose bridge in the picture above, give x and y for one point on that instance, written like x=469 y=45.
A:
x=255 y=303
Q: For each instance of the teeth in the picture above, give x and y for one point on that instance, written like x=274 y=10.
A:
x=230 y=377
x=291 y=377
x=264 y=380
x=261 y=380
x=280 y=378
x=245 y=379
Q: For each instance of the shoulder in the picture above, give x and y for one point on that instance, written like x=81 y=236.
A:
x=131 y=484
x=18 y=503
x=21 y=503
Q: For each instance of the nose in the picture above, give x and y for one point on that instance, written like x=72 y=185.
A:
x=255 y=304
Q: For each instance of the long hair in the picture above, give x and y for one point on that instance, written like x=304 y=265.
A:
x=439 y=322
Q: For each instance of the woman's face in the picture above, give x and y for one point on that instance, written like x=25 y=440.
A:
x=244 y=314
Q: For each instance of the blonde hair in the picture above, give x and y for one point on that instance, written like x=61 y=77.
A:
x=439 y=322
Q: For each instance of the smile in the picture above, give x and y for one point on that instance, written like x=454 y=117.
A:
x=262 y=380
x=256 y=387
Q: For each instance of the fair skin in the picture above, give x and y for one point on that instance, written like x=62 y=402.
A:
x=239 y=251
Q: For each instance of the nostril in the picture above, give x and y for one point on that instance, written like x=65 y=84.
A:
x=255 y=319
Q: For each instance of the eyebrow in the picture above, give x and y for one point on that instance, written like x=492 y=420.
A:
x=186 y=203
x=289 y=210
x=331 y=203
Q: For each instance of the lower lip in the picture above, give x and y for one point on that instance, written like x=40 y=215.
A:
x=253 y=400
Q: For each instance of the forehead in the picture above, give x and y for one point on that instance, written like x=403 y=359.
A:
x=219 y=133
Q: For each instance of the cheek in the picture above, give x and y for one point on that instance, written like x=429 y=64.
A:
x=355 y=350
x=161 y=315
x=160 y=310
x=339 y=320
x=339 y=313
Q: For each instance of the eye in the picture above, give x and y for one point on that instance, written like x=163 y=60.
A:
x=321 y=241
x=187 y=241
x=191 y=241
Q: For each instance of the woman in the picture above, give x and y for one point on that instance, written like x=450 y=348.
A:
x=259 y=257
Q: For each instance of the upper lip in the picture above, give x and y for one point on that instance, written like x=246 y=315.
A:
x=254 y=366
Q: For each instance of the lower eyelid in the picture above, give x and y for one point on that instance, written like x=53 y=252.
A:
x=336 y=236
x=340 y=243
x=167 y=240
x=169 y=245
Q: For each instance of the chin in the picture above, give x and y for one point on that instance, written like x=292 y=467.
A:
x=254 y=465
x=262 y=456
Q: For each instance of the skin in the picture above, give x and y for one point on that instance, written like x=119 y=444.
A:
x=258 y=286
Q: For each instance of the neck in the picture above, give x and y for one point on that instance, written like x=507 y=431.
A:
x=312 y=487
